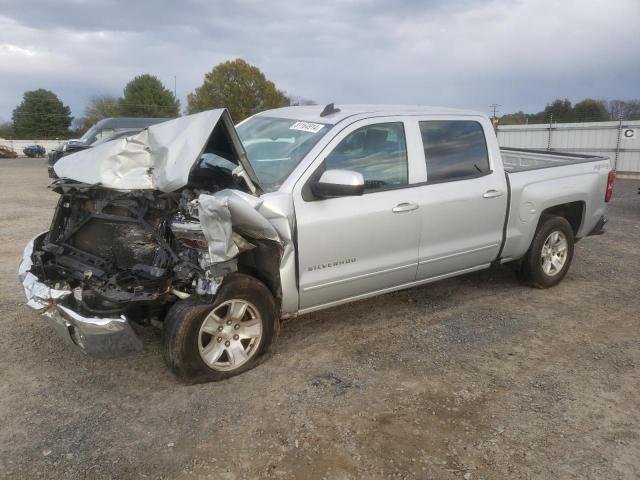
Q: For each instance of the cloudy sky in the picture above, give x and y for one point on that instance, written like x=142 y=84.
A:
x=459 y=53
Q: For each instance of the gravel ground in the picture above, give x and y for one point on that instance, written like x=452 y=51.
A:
x=476 y=377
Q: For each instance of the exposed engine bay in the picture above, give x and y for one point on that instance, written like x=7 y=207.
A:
x=148 y=221
x=138 y=251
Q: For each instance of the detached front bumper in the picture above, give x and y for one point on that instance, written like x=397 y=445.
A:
x=100 y=337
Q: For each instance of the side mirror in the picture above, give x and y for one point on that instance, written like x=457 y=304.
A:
x=338 y=183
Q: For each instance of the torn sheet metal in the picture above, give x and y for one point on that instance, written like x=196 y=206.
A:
x=269 y=217
x=159 y=157
x=277 y=208
x=228 y=210
x=215 y=221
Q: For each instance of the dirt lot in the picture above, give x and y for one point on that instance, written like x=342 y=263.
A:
x=477 y=377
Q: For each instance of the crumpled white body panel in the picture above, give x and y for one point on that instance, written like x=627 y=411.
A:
x=160 y=157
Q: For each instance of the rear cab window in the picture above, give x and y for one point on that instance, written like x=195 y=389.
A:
x=454 y=150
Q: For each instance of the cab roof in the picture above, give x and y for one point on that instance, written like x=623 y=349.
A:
x=312 y=113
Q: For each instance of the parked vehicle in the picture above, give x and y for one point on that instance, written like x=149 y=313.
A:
x=103 y=131
x=34 y=151
x=7 y=152
x=220 y=232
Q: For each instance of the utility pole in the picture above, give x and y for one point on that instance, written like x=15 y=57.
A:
x=175 y=80
x=494 y=118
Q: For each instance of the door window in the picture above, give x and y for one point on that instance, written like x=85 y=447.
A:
x=378 y=152
x=454 y=149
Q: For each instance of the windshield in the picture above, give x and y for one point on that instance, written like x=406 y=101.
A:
x=276 y=145
x=114 y=135
x=91 y=135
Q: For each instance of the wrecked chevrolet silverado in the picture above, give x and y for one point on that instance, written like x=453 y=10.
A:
x=215 y=232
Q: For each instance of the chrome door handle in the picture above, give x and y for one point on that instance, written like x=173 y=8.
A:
x=492 y=194
x=404 y=207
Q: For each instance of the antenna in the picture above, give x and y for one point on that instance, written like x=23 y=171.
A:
x=329 y=109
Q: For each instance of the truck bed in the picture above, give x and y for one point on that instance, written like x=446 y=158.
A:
x=520 y=160
x=577 y=181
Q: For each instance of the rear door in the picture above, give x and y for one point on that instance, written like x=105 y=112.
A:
x=464 y=201
x=352 y=246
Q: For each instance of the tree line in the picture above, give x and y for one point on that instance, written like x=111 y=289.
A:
x=244 y=90
x=587 y=110
x=236 y=85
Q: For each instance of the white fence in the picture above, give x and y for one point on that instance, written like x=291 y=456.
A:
x=620 y=140
x=18 y=145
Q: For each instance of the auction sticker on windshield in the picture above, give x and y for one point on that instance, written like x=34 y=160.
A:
x=307 y=127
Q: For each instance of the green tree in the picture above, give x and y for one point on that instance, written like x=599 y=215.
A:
x=241 y=88
x=41 y=115
x=559 y=110
x=518 y=118
x=587 y=110
x=145 y=96
x=590 y=110
x=101 y=106
x=6 y=130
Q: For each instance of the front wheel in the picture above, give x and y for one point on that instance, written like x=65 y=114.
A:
x=204 y=342
x=549 y=257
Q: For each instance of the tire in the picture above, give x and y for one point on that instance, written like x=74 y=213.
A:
x=203 y=342
x=549 y=256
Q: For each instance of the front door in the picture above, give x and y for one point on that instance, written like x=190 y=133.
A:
x=351 y=246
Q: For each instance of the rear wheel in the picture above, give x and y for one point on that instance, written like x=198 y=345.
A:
x=549 y=257
x=205 y=342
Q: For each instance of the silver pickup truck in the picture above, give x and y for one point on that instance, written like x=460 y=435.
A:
x=215 y=232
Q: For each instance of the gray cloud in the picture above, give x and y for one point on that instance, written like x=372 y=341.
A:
x=468 y=53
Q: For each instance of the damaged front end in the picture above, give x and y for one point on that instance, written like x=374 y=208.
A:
x=113 y=255
x=104 y=336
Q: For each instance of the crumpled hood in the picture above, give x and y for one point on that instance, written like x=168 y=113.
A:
x=159 y=157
